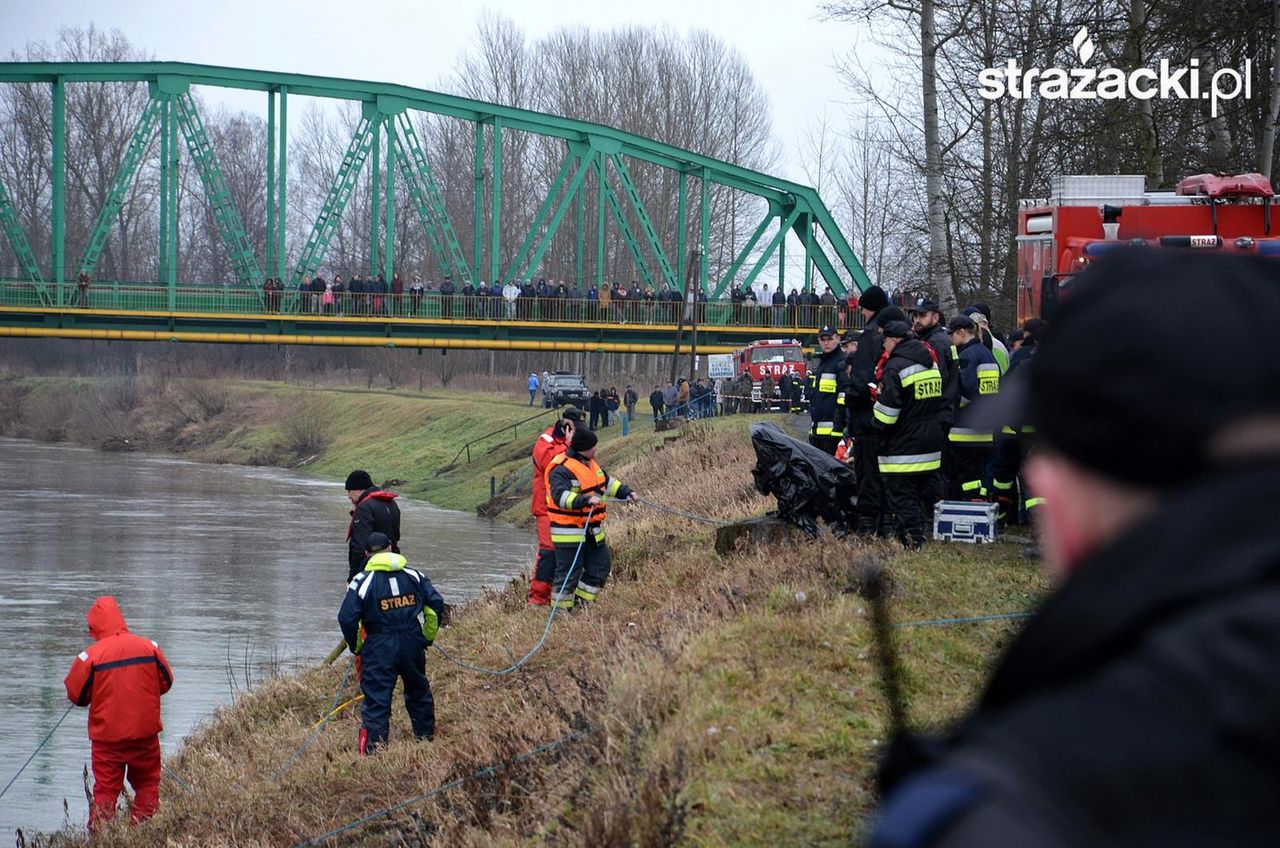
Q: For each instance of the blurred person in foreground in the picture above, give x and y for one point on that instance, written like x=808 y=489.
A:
x=1138 y=706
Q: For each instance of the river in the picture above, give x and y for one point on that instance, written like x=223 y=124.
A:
x=228 y=568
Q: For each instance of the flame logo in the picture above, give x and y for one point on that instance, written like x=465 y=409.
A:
x=1083 y=45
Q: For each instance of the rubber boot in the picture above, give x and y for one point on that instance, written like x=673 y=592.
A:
x=884 y=527
x=539 y=593
x=867 y=525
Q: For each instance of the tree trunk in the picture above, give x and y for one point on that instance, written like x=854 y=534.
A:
x=1267 y=148
x=938 y=277
x=1148 y=141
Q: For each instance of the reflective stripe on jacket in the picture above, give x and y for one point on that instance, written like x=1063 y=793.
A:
x=120 y=678
x=571 y=482
x=908 y=410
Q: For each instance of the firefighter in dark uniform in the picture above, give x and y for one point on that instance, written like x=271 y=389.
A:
x=398 y=611
x=907 y=414
x=1016 y=441
x=969 y=445
x=927 y=324
x=872 y=516
x=1137 y=707
x=372 y=511
x=824 y=383
x=576 y=491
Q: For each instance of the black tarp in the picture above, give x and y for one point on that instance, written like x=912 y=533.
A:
x=807 y=483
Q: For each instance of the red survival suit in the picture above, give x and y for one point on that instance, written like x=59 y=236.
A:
x=120 y=678
x=548 y=446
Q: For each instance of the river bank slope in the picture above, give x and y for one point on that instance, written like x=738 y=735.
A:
x=705 y=699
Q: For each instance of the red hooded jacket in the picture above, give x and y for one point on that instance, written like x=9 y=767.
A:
x=548 y=446
x=120 y=678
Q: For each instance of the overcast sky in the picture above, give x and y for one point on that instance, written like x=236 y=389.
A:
x=790 y=49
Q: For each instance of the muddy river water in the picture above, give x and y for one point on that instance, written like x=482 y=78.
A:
x=234 y=571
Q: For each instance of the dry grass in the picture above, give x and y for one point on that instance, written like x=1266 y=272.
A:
x=722 y=700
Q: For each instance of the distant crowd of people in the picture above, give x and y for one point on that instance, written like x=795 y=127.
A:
x=551 y=300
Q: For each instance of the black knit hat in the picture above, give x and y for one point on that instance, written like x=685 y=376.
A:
x=891 y=313
x=583 y=440
x=1105 y=397
x=895 y=329
x=358 y=481
x=572 y=413
x=377 y=542
x=874 y=299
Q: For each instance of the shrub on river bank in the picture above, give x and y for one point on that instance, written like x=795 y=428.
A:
x=704 y=699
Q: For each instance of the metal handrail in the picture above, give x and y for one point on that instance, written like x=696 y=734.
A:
x=512 y=427
x=430 y=305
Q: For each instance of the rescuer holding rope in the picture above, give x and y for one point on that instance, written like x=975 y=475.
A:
x=550 y=444
x=120 y=678
x=389 y=618
x=576 y=490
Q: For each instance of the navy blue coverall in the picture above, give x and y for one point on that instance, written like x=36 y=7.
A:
x=400 y=611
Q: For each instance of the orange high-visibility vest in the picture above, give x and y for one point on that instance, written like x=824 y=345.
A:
x=591 y=480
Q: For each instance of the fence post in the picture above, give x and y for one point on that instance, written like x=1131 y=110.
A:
x=493 y=488
x=468 y=453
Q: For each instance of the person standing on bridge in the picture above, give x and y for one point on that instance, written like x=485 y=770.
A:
x=576 y=490
x=120 y=678
x=389 y=617
x=446 y=298
x=373 y=510
x=549 y=445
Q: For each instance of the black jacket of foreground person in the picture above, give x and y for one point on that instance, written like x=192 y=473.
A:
x=1168 y=695
x=1141 y=705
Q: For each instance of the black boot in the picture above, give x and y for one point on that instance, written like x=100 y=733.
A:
x=867 y=525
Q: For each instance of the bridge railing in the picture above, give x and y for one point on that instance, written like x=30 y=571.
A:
x=429 y=306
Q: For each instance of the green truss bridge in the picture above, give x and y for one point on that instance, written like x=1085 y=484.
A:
x=39 y=296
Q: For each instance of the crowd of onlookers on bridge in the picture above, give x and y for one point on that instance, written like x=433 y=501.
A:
x=543 y=300
x=558 y=301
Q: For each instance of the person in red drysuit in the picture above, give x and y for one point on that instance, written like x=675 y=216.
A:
x=553 y=442
x=120 y=678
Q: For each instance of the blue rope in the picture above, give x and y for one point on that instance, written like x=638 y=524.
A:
x=546 y=631
x=699 y=518
x=169 y=773
x=940 y=622
x=37 y=750
x=311 y=737
x=487 y=771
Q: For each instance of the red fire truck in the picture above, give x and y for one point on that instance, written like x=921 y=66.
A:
x=1086 y=216
x=774 y=357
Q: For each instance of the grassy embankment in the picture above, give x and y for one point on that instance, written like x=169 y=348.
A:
x=721 y=700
